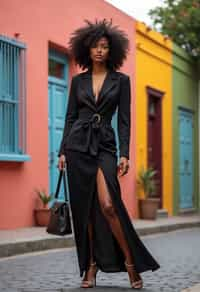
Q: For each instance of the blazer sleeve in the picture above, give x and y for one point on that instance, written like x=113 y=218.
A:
x=123 y=120
x=71 y=114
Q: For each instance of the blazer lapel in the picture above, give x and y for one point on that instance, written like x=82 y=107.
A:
x=110 y=81
x=86 y=86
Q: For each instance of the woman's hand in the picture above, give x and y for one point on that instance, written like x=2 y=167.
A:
x=61 y=162
x=123 y=166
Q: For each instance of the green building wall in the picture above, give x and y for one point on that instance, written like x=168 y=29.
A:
x=185 y=95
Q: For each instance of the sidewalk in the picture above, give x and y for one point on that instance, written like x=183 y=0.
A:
x=22 y=240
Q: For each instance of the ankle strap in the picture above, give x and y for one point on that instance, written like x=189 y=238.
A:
x=128 y=265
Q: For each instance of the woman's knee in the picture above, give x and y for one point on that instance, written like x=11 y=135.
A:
x=104 y=196
x=108 y=210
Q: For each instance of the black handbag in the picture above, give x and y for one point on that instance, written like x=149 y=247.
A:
x=59 y=223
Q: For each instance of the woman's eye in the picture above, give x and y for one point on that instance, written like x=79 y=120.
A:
x=102 y=47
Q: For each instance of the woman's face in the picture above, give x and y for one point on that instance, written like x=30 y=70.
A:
x=100 y=50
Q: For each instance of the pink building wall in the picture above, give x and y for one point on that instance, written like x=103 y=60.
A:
x=40 y=23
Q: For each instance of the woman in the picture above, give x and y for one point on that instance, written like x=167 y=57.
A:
x=104 y=235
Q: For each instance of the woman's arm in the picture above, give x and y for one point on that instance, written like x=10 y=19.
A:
x=71 y=114
x=124 y=117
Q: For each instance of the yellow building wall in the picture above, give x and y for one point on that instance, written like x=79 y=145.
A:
x=154 y=68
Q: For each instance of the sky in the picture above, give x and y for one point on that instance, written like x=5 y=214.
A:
x=137 y=8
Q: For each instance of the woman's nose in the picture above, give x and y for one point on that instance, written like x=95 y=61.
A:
x=98 y=49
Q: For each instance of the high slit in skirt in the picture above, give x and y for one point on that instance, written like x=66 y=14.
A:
x=81 y=173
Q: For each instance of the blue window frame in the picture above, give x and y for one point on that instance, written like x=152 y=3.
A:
x=12 y=100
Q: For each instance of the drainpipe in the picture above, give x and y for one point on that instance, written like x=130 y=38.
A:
x=198 y=189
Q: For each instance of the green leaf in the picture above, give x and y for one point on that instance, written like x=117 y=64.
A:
x=146 y=181
x=44 y=197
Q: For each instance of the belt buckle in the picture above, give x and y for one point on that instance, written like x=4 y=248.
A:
x=98 y=116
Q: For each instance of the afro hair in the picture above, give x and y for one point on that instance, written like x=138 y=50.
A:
x=83 y=38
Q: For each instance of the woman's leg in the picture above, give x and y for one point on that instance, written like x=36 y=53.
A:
x=89 y=275
x=113 y=220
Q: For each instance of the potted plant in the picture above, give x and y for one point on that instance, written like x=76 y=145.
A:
x=42 y=213
x=149 y=204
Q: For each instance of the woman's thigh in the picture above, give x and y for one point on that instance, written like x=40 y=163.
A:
x=106 y=176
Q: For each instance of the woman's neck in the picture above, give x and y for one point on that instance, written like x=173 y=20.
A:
x=98 y=68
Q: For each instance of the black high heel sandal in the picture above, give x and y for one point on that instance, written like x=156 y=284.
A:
x=138 y=284
x=90 y=283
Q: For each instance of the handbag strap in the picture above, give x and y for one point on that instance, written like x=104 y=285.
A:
x=61 y=175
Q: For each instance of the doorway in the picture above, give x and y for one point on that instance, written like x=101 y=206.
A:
x=154 y=144
x=57 y=102
x=186 y=164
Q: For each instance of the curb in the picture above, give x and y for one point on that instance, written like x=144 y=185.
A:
x=17 y=248
x=8 y=249
x=166 y=228
x=195 y=288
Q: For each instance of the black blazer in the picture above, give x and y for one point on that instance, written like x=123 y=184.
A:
x=88 y=123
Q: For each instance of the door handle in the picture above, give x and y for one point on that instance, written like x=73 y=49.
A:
x=186 y=164
x=51 y=157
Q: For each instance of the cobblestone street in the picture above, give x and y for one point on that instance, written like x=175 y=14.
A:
x=57 y=270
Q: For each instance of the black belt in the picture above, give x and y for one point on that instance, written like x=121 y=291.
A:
x=91 y=125
x=96 y=120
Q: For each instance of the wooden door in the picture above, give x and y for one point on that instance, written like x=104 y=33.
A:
x=155 y=139
x=58 y=99
x=186 y=178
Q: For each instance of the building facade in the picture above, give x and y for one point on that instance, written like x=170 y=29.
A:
x=154 y=109
x=185 y=133
x=167 y=119
x=35 y=98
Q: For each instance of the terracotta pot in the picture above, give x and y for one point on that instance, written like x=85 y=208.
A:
x=42 y=216
x=148 y=208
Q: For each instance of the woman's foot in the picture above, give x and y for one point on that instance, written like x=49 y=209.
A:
x=89 y=280
x=135 y=278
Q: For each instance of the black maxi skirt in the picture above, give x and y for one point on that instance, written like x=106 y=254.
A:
x=81 y=173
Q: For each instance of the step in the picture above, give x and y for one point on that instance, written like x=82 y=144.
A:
x=162 y=213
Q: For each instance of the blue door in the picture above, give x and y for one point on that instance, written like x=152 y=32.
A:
x=58 y=89
x=186 y=187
